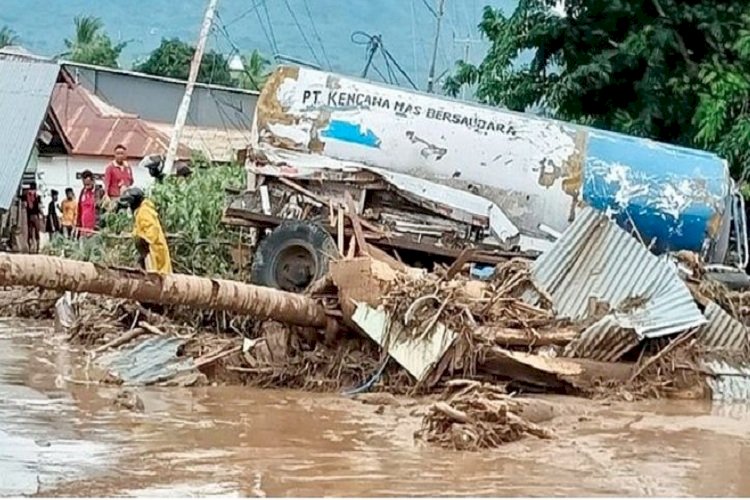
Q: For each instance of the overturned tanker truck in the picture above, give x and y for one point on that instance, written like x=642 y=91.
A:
x=429 y=176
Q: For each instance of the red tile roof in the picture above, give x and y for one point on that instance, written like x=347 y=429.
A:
x=94 y=127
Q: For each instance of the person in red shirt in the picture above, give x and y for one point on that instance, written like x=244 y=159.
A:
x=86 y=222
x=117 y=176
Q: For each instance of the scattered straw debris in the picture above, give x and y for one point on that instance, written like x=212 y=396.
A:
x=474 y=416
x=28 y=303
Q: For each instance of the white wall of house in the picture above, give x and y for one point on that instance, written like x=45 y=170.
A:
x=59 y=172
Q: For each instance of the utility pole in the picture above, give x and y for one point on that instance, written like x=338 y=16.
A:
x=431 y=76
x=467 y=47
x=195 y=65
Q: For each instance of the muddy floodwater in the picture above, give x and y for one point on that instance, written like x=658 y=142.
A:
x=59 y=436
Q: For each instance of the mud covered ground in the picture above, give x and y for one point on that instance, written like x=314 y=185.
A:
x=61 y=437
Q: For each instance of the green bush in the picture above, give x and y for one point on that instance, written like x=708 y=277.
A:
x=190 y=211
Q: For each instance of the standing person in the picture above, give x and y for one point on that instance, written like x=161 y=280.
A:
x=69 y=208
x=86 y=220
x=150 y=240
x=101 y=205
x=117 y=176
x=53 y=221
x=33 y=217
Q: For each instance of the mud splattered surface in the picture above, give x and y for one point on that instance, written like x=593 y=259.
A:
x=59 y=437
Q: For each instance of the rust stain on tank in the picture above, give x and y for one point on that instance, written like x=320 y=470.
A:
x=315 y=145
x=714 y=225
x=269 y=109
x=573 y=166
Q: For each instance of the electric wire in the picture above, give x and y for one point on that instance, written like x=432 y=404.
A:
x=270 y=27
x=317 y=35
x=302 y=32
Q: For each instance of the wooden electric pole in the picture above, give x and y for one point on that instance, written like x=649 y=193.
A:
x=467 y=47
x=431 y=76
x=195 y=65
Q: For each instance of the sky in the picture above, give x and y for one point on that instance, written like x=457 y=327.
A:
x=314 y=31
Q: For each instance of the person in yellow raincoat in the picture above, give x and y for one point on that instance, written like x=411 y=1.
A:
x=150 y=239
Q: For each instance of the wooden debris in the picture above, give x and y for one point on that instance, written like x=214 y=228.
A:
x=121 y=340
x=477 y=417
x=356 y=224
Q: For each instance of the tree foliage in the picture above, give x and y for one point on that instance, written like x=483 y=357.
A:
x=257 y=69
x=91 y=45
x=673 y=70
x=190 y=211
x=172 y=59
x=7 y=37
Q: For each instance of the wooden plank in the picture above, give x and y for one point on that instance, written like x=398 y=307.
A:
x=290 y=183
x=356 y=225
x=458 y=264
x=340 y=230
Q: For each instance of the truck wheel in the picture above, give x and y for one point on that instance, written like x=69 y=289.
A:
x=293 y=256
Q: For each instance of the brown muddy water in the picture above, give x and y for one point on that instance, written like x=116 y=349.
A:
x=59 y=437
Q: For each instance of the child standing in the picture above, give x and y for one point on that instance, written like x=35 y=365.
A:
x=69 y=208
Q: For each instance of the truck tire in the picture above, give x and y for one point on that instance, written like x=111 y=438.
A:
x=293 y=256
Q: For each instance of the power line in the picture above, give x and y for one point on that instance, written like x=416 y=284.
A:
x=373 y=43
x=223 y=30
x=265 y=31
x=270 y=27
x=317 y=35
x=430 y=8
x=249 y=11
x=414 y=35
x=302 y=32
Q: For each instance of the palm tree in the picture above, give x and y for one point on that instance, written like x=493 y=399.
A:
x=91 y=44
x=7 y=37
x=87 y=31
x=256 y=71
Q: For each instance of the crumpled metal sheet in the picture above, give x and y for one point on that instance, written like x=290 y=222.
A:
x=723 y=332
x=605 y=340
x=729 y=382
x=148 y=362
x=418 y=354
x=595 y=259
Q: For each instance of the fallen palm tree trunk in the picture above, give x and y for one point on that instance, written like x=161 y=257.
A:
x=54 y=273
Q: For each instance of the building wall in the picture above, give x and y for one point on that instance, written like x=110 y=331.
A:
x=157 y=100
x=59 y=172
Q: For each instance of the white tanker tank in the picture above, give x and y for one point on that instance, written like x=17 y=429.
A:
x=540 y=172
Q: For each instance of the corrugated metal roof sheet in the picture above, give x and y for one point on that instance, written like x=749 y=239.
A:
x=723 y=332
x=25 y=90
x=94 y=127
x=730 y=382
x=148 y=362
x=596 y=259
x=605 y=340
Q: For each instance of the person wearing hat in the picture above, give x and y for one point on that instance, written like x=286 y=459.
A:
x=150 y=240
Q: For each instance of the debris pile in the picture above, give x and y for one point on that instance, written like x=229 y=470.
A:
x=596 y=315
x=473 y=416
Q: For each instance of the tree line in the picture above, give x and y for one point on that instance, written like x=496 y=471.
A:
x=677 y=71
x=91 y=44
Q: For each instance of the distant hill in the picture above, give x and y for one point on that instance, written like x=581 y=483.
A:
x=407 y=28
